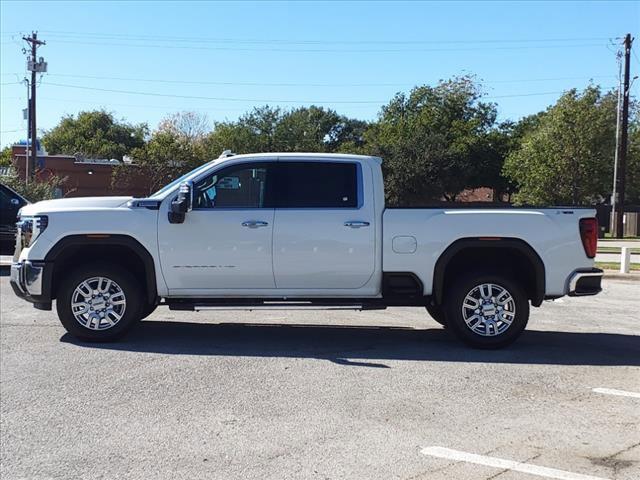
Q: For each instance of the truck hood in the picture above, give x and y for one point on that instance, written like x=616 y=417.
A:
x=67 y=204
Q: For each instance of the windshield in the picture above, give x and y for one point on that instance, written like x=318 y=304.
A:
x=177 y=181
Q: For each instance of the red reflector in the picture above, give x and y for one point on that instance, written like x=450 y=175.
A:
x=589 y=236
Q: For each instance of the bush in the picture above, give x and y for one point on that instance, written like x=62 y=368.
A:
x=36 y=190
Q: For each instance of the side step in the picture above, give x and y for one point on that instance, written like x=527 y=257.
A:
x=193 y=304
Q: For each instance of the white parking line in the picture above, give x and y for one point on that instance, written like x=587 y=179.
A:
x=621 y=393
x=459 y=456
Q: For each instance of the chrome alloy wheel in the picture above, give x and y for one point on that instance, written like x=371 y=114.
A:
x=488 y=309
x=98 y=303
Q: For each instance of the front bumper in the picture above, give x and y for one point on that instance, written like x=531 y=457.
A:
x=31 y=280
x=585 y=282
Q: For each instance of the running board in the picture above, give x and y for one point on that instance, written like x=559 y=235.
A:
x=226 y=304
x=199 y=308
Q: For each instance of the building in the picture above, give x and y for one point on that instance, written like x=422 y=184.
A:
x=82 y=177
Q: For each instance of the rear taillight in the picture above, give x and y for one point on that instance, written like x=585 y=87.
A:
x=589 y=236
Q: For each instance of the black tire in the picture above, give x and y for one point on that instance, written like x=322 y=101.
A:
x=455 y=296
x=122 y=279
x=148 y=309
x=437 y=313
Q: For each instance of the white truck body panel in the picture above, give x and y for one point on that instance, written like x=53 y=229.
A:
x=550 y=232
x=307 y=252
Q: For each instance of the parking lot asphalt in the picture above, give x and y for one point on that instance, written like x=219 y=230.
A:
x=297 y=395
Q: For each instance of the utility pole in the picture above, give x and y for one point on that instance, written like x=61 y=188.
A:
x=614 y=195
x=621 y=146
x=34 y=66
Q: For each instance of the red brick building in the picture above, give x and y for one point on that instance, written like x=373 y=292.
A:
x=82 y=177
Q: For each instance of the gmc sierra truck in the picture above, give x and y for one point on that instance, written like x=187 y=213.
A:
x=297 y=231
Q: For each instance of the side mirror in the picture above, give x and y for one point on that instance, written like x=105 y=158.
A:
x=182 y=204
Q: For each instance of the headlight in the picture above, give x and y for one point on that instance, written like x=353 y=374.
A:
x=30 y=228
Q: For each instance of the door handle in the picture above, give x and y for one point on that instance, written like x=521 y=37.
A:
x=254 y=224
x=355 y=224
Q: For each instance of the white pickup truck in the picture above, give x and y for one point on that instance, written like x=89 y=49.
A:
x=297 y=231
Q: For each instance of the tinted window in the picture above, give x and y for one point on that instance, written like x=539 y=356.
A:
x=239 y=186
x=4 y=198
x=316 y=185
x=9 y=201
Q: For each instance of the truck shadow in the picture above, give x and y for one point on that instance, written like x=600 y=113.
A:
x=369 y=346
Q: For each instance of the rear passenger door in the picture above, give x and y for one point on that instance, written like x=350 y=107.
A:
x=324 y=235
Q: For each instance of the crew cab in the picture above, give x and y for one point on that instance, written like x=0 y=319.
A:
x=297 y=230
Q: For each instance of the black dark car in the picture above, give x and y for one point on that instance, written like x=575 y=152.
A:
x=10 y=203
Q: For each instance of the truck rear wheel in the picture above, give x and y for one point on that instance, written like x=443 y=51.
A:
x=437 y=313
x=99 y=302
x=486 y=310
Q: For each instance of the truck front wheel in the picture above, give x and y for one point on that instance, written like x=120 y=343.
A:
x=486 y=310
x=437 y=313
x=99 y=302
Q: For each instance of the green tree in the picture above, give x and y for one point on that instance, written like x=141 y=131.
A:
x=252 y=132
x=94 y=134
x=566 y=157
x=304 y=129
x=432 y=141
x=632 y=193
x=5 y=157
x=316 y=129
x=495 y=147
x=348 y=135
x=165 y=157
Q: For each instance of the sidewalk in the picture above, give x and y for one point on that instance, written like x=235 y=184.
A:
x=615 y=257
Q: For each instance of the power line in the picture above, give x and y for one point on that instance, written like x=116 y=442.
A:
x=262 y=100
x=378 y=41
x=197 y=97
x=133 y=105
x=324 y=50
x=293 y=84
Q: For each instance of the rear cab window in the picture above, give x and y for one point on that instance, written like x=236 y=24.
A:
x=317 y=184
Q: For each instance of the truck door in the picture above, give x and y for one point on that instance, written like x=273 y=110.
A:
x=324 y=235
x=225 y=242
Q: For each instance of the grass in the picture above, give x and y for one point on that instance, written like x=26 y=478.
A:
x=607 y=237
x=635 y=267
x=603 y=249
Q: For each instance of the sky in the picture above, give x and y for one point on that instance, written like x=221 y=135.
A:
x=145 y=60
